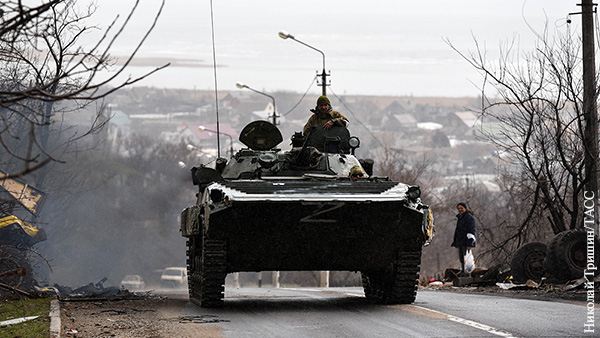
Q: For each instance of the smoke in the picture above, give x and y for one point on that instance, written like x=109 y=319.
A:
x=109 y=215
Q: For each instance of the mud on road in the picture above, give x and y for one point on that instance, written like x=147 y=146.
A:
x=151 y=316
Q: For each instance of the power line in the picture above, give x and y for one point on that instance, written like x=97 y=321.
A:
x=303 y=96
x=356 y=118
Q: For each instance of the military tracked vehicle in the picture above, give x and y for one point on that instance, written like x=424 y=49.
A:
x=272 y=210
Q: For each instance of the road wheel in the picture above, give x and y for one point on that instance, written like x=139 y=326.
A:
x=566 y=257
x=528 y=262
x=398 y=283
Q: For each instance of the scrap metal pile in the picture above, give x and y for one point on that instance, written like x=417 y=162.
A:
x=18 y=201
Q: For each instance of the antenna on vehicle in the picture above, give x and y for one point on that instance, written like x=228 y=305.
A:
x=212 y=29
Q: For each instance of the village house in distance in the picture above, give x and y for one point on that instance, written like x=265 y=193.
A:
x=408 y=126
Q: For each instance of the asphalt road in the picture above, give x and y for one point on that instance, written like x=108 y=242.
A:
x=344 y=312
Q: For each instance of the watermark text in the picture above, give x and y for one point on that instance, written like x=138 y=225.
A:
x=589 y=221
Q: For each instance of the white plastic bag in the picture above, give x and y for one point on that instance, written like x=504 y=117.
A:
x=469 y=262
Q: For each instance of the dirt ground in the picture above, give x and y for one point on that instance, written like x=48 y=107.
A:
x=149 y=317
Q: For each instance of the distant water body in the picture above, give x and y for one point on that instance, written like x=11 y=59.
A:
x=394 y=48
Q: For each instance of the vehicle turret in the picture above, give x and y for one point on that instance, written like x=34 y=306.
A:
x=268 y=209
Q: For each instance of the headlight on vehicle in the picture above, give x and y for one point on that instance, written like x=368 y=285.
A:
x=217 y=196
x=414 y=193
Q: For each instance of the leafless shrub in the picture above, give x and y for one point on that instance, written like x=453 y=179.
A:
x=44 y=64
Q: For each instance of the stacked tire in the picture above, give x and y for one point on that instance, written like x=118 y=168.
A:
x=528 y=262
x=567 y=255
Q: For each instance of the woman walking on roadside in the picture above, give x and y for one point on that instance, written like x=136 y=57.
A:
x=464 y=235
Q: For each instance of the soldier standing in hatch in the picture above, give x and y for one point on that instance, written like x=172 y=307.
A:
x=324 y=116
x=464 y=235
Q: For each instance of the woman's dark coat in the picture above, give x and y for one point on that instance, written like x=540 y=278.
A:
x=465 y=225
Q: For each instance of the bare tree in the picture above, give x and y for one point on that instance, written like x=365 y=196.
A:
x=46 y=67
x=412 y=170
x=536 y=106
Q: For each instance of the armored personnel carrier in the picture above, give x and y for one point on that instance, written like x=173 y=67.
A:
x=272 y=210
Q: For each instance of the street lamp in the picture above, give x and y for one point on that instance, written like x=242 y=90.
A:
x=242 y=85
x=203 y=128
x=284 y=35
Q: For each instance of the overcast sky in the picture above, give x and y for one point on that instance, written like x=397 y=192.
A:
x=387 y=47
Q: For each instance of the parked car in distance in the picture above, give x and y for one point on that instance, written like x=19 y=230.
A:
x=133 y=282
x=174 y=277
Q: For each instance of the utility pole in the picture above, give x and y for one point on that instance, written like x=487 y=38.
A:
x=589 y=98
x=324 y=76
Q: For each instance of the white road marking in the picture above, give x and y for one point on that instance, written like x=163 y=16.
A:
x=471 y=323
x=460 y=320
